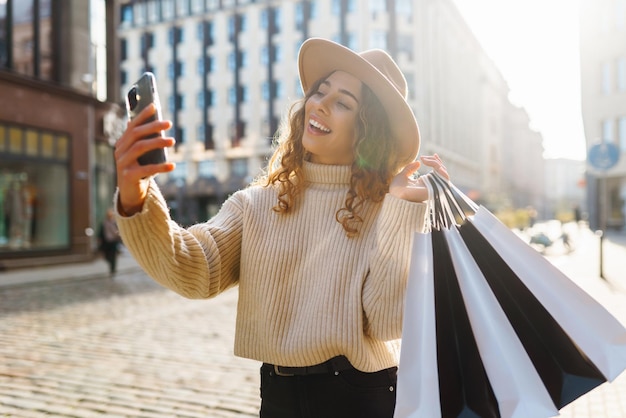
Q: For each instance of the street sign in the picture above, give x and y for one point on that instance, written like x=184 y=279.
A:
x=603 y=156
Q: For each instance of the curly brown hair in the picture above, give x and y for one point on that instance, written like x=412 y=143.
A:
x=376 y=160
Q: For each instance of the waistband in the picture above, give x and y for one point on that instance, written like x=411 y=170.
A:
x=332 y=366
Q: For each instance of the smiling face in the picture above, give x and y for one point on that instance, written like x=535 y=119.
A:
x=330 y=120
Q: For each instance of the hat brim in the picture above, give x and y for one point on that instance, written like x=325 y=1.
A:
x=319 y=57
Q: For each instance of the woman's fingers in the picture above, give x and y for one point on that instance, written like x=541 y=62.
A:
x=436 y=163
x=141 y=136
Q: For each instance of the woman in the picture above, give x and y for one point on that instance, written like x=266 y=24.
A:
x=319 y=246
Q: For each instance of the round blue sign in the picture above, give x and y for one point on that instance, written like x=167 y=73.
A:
x=603 y=156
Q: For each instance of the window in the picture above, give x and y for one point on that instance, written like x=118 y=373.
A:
x=265 y=91
x=621 y=132
x=200 y=133
x=265 y=55
x=621 y=74
x=278 y=19
x=176 y=70
x=207 y=169
x=200 y=66
x=279 y=89
x=197 y=6
x=232 y=96
x=353 y=41
x=607 y=131
x=378 y=39
x=181 y=136
x=404 y=8
x=313 y=10
x=182 y=7
x=123 y=49
x=232 y=61
x=175 y=103
x=278 y=53
x=378 y=6
x=167 y=8
x=19 y=50
x=35 y=176
x=299 y=15
x=200 y=100
x=180 y=172
x=127 y=14
x=175 y=35
x=239 y=167
x=200 y=31
x=153 y=11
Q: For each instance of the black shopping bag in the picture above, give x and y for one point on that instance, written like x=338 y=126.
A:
x=496 y=293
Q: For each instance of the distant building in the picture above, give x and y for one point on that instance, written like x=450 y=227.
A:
x=603 y=82
x=226 y=72
x=58 y=119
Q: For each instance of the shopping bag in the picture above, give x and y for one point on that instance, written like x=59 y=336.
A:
x=505 y=288
x=566 y=372
x=417 y=395
x=600 y=337
x=517 y=385
x=598 y=333
x=441 y=373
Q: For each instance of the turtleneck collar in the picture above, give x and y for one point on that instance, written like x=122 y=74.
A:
x=326 y=174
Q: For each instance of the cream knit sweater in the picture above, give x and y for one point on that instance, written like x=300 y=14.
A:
x=307 y=292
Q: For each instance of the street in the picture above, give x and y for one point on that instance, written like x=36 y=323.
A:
x=126 y=347
x=120 y=347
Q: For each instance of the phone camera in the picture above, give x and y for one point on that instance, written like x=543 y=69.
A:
x=132 y=98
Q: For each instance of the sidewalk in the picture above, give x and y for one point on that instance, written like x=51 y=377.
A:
x=97 y=268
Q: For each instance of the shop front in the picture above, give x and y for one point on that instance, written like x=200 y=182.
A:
x=56 y=172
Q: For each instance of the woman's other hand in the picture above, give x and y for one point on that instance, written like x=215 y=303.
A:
x=132 y=178
x=406 y=186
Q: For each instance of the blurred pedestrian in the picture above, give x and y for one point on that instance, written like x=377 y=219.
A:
x=319 y=246
x=110 y=240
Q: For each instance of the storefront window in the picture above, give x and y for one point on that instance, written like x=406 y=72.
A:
x=34 y=190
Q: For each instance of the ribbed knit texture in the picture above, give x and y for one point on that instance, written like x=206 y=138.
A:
x=307 y=292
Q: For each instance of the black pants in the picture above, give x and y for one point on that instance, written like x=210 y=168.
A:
x=345 y=394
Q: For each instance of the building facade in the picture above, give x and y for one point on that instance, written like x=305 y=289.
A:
x=57 y=125
x=227 y=72
x=603 y=89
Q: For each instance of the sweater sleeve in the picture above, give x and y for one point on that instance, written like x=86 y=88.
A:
x=385 y=285
x=198 y=262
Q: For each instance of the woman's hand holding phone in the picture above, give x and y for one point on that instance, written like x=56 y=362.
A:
x=139 y=137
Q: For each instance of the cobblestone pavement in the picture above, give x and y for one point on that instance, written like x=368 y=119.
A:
x=121 y=347
x=126 y=347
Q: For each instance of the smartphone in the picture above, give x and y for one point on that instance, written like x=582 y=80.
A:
x=139 y=96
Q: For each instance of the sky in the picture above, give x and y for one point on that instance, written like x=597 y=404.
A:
x=534 y=43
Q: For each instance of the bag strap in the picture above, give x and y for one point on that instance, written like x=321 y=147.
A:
x=448 y=206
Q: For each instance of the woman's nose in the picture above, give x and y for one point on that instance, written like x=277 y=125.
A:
x=322 y=104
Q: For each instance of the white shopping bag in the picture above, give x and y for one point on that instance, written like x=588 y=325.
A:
x=595 y=330
x=417 y=388
x=518 y=388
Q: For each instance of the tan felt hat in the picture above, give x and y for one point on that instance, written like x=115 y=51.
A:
x=375 y=68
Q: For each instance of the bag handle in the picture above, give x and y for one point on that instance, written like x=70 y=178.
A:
x=448 y=206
